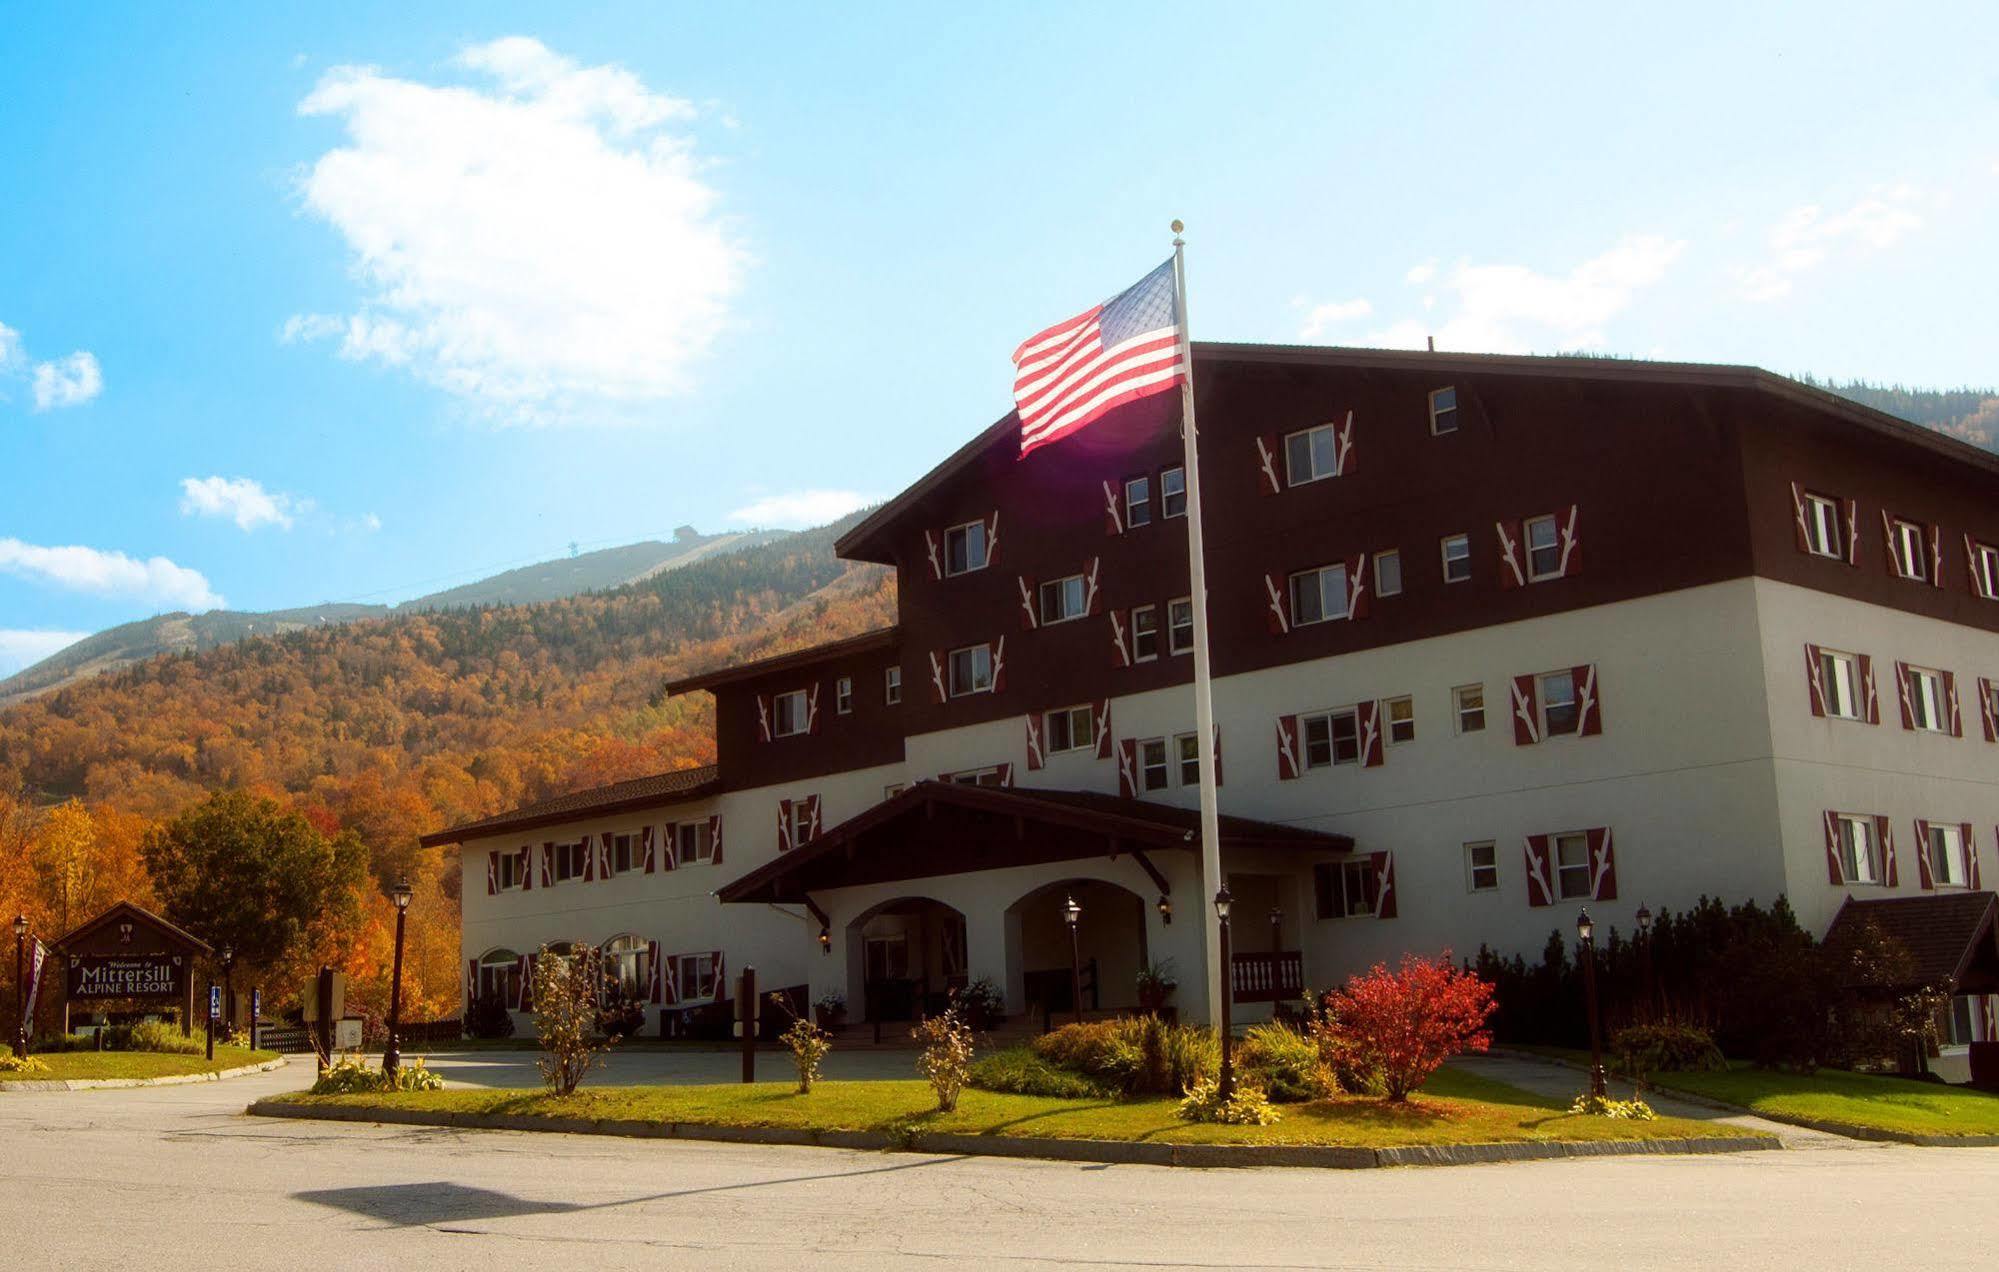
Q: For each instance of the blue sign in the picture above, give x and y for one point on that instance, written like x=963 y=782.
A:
x=256 y=1004
x=214 y=1002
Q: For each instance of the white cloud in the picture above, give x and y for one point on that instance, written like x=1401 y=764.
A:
x=109 y=574
x=240 y=499
x=539 y=242
x=1514 y=309
x=59 y=382
x=1420 y=274
x=1806 y=237
x=802 y=508
x=21 y=649
x=11 y=354
x=370 y=522
x=1321 y=317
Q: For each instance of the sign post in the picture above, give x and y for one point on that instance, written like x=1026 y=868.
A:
x=746 y=1011
x=214 y=1010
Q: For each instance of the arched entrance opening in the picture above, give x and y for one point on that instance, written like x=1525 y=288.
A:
x=904 y=957
x=1110 y=947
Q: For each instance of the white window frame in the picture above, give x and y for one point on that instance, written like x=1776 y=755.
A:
x=1312 y=437
x=1839 y=684
x=1985 y=566
x=1065 y=589
x=1389 y=706
x=965 y=530
x=1348 y=715
x=1393 y=559
x=1823 y=532
x=1440 y=413
x=1153 y=755
x=800 y=714
x=1926 y=700
x=1946 y=848
x=1137 y=506
x=1150 y=628
x=1907 y=545
x=1568 y=855
x=1859 y=849
x=1459 y=710
x=500 y=975
x=1553 y=547
x=629 y=846
x=1445 y=556
x=1082 y=736
x=702 y=986
x=568 y=861
x=1186 y=758
x=976 y=777
x=520 y=864
x=1354 y=884
x=1168 y=478
x=1962 y=1032
x=1547 y=701
x=891 y=685
x=702 y=851
x=1174 y=627
x=1318 y=577
x=1474 y=869
x=894 y=789
x=977 y=686
x=843 y=695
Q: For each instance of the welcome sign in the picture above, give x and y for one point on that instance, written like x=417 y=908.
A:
x=127 y=975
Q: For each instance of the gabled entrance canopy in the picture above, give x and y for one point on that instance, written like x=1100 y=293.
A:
x=942 y=828
x=1952 y=937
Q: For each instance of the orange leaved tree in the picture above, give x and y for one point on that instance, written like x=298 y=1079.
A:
x=1404 y=1024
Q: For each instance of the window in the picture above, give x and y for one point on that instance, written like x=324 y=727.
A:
x=843 y=695
x=971 y=670
x=894 y=789
x=1173 y=493
x=1401 y=719
x=621 y=854
x=892 y=685
x=1344 y=889
x=569 y=861
x=1069 y=730
x=1558 y=704
x=513 y=869
x=1544 y=549
x=693 y=843
x=1926 y=706
x=1905 y=545
x=1180 y=626
x=1985 y=568
x=1468 y=706
x=1145 y=633
x=1187 y=746
x=988 y=776
x=1062 y=600
x=1318 y=596
x=1960 y=1026
x=625 y=968
x=1859 y=849
x=801 y=822
x=1443 y=411
x=1332 y=737
x=1822 y=532
x=1482 y=867
x=1457 y=558
x=1137 y=503
x=1839 y=681
x=788 y=714
x=1572 y=867
x=1946 y=850
x=1310 y=455
x=500 y=976
x=697 y=977
x=1152 y=772
x=965 y=548
x=1388 y=573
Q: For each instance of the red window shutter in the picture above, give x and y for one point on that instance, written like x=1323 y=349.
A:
x=1602 y=865
x=1113 y=510
x=1800 y=529
x=1540 y=871
x=1902 y=691
x=715 y=836
x=1343 y=453
x=492 y=872
x=763 y=717
x=646 y=849
x=992 y=538
x=1832 y=869
x=1384 y=883
x=1367 y=720
x=1127 y=768
x=784 y=825
x=1850 y=509
x=1277 y=603
x=589 y=861
x=1030 y=614
x=655 y=974
x=1870 y=703
x=812 y=708
x=526 y=855
x=1269 y=448
x=937 y=676
x=1888 y=544
x=1971 y=859
x=1033 y=742
x=548 y=864
x=1512 y=555
x=1815 y=680
x=1120 y=647
x=1102 y=722
x=1572 y=546
x=1218 y=755
x=1971 y=566
x=1955 y=720
x=999 y=666
x=716 y=972
x=471 y=980
x=932 y=550
x=1589 y=700
x=524 y=999
x=1526 y=711
x=1985 y=716
x=811 y=818
x=669 y=855
x=1885 y=829
x=1288 y=765
x=1925 y=877
x=1092 y=598
x=1358 y=605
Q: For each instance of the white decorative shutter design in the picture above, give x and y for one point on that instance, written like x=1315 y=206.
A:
x=1101 y=718
x=1120 y=645
x=1834 y=873
x=1385 y=906
x=1540 y=871
x=646 y=861
x=763 y=717
x=1091 y=598
x=1954 y=719
x=1367 y=722
x=812 y=708
x=1512 y=566
x=1288 y=759
x=1936 y=556
x=492 y=873
x=548 y=864
x=1801 y=533
x=812 y=817
x=524 y=997
x=1602 y=865
x=1989 y=721
x=1885 y=829
x=1113 y=514
x=1030 y=617
x=1343 y=450
x=931 y=550
x=1925 y=875
x=715 y=837
x=1267 y=480
x=1127 y=768
x=1357 y=593
x=1870 y=703
x=784 y=825
x=999 y=665
x=1034 y=760
x=1277 y=604
x=1851 y=510
x=992 y=537
x=1815 y=680
x=669 y=847
x=937 y=676
x=1526 y=711
x=1589 y=703
x=671 y=983
x=715 y=971
x=1572 y=546
x=655 y=974
x=1902 y=686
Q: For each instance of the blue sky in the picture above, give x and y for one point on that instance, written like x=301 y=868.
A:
x=352 y=303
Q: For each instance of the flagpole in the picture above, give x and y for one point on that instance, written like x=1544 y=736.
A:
x=1204 y=701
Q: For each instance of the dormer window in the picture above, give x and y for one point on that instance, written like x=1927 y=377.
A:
x=1443 y=411
x=965 y=548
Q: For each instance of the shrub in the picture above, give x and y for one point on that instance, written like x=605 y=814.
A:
x=350 y=1075
x=809 y=1045
x=1285 y=1063
x=22 y=1066
x=946 y=1059
x=1246 y=1105
x=1406 y=1023
x=1134 y=1055
x=487 y=1017
x=1632 y=1110
x=1666 y=1048
x=164 y=1036
x=1103 y=1049
x=1019 y=1071
x=565 y=1016
x=980 y=1005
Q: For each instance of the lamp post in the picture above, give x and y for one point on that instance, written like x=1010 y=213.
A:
x=392 y=1058
x=1586 y=933
x=20 y=984
x=1644 y=918
x=1222 y=902
x=228 y=987
x=1072 y=914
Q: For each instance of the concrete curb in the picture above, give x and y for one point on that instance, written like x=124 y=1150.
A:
x=1115 y=1152
x=120 y=1084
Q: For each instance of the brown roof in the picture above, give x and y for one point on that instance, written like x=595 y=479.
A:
x=859 y=542
x=880 y=638
x=125 y=909
x=1944 y=932
x=640 y=793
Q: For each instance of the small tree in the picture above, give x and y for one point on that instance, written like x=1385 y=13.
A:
x=947 y=1056
x=565 y=1017
x=1406 y=1023
x=809 y=1044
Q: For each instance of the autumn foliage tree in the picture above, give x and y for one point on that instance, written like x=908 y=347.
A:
x=1404 y=1024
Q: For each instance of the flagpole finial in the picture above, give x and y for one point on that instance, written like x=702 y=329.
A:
x=1178 y=227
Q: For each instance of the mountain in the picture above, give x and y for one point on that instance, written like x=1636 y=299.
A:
x=545 y=581
x=1970 y=415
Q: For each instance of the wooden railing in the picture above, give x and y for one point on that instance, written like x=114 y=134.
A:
x=1269 y=978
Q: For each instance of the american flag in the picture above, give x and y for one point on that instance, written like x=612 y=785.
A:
x=1124 y=349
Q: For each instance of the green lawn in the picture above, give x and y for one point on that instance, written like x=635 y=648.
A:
x=1848 y=1099
x=1456 y=1108
x=71 y=1065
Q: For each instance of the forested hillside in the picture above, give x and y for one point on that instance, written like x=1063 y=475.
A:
x=1971 y=415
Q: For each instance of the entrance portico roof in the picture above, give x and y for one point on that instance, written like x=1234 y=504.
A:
x=940 y=828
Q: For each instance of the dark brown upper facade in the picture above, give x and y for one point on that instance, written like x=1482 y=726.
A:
x=1658 y=477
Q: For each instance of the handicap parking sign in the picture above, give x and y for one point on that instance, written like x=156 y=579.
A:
x=214 y=1001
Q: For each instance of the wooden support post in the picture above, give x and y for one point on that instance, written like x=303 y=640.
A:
x=746 y=999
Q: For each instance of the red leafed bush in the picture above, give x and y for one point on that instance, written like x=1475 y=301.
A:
x=1406 y=1023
